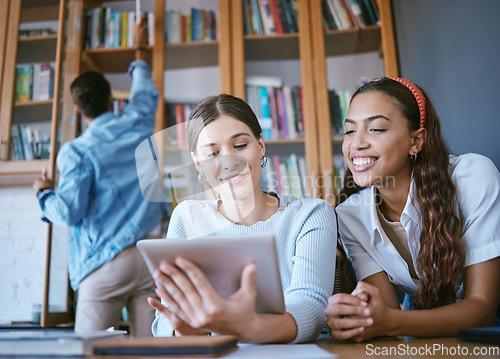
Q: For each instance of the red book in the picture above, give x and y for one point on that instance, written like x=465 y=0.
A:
x=350 y=14
x=180 y=125
x=274 y=113
x=347 y=16
x=276 y=168
x=278 y=27
x=183 y=28
x=301 y=106
x=280 y=100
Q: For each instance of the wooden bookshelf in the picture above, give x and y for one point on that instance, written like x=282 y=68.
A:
x=116 y=60
x=345 y=42
x=352 y=41
x=193 y=54
x=4 y=15
x=21 y=50
x=33 y=103
x=272 y=47
x=33 y=167
x=39 y=10
x=283 y=141
x=51 y=37
x=312 y=45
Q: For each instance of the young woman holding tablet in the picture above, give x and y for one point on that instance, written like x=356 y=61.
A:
x=413 y=217
x=227 y=147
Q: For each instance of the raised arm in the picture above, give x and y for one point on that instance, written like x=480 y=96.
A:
x=141 y=38
x=143 y=93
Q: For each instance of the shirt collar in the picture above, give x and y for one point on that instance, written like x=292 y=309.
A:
x=101 y=119
x=373 y=211
x=411 y=210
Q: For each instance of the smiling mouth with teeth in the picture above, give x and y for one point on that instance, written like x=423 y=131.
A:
x=363 y=161
x=236 y=177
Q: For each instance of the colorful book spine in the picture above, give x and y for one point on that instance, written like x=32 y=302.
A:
x=286 y=175
x=180 y=125
x=279 y=109
x=280 y=101
x=22 y=83
x=266 y=121
x=290 y=113
x=197 y=25
x=108 y=28
x=46 y=76
x=124 y=30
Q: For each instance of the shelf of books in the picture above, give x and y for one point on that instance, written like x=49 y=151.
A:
x=192 y=34
x=271 y=70
x=354 y=44
x=29 y=83
x=270 y=30
x=109 y=37
x=196 y=64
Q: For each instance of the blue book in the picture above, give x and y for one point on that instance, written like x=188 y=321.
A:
x=257 y=23
x=266 y=121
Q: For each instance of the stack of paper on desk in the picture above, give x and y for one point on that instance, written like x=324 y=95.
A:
x=52 y=342
x=280 y=351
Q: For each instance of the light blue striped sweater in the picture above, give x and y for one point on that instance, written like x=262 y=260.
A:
x=306 y=239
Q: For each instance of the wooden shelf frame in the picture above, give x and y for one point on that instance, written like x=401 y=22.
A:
x=311 y=46
x=280 y=47
x=42 y=49
x=116 y=60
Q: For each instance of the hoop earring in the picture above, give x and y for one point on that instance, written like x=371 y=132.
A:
x=202 y=178
x=263 y=161
x=414 y=157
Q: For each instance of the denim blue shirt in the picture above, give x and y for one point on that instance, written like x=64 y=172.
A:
x=99 y=196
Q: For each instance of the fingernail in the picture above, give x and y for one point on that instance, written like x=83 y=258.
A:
x=361 y=329
x=165 y=268
x=366 y=311
x=364 y=304
x=369 y=321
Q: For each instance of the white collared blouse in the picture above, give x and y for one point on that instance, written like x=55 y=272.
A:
x=477 y=204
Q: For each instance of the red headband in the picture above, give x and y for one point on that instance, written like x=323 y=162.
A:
x=419 y=97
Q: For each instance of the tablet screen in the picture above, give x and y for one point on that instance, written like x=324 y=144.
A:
x=222 y=260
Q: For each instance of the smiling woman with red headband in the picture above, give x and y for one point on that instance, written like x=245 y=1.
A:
x=415 y=218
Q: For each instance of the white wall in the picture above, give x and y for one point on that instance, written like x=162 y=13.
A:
x=22 y=257
x=450 y=49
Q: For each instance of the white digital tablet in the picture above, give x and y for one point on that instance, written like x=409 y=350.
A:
x=222 y=260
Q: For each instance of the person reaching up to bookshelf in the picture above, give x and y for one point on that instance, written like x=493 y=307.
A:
x=100 y=199
x=415 y=218
x=228 y=150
